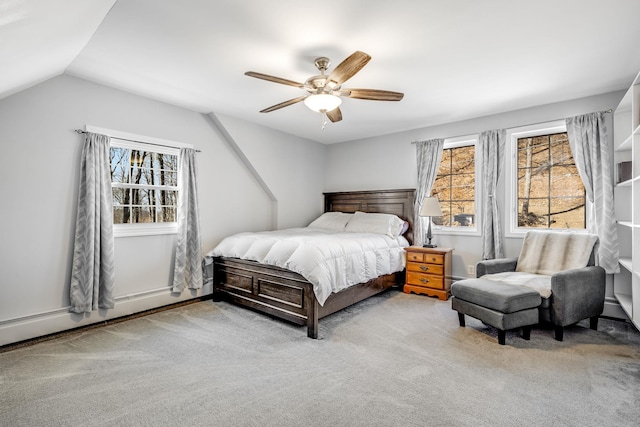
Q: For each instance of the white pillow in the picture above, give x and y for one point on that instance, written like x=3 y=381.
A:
x=378 y=223
x=334 y=221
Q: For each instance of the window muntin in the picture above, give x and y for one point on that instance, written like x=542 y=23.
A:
x=144 y=185
x=455 y=186
x=544 y=190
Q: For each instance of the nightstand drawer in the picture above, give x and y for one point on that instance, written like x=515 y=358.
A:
x=428 y=280
x=434 y=258
x=437 y=269
x=415 y=256
x=430 y=258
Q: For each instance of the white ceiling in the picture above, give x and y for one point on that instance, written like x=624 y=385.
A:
x=453 y=59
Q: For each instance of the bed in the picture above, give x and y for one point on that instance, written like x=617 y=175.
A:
x=287 y=295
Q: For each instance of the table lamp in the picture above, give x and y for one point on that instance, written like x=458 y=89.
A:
x=430 y=207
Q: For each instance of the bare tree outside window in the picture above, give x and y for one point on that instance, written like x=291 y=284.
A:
x=550 y=190
x=144 y=185
x=455 y=187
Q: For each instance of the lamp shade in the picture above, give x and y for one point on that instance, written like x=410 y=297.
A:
x=430 y=207
x=322 y=102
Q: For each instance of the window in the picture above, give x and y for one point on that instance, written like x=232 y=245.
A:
x=144 y=183
x=547 y=191
x=455 y=186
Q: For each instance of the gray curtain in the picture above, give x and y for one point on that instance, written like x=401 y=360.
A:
x=589 y=141
x=428 y=155
x=491 y=146
x=92 y=271
x=187 y=271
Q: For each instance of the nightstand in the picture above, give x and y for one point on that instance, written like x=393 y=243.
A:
x=429 y=271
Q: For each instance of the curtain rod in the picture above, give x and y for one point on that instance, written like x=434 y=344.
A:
x=80 y=131
x=530 y=124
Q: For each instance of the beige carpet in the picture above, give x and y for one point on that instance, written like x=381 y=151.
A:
x=393 y=360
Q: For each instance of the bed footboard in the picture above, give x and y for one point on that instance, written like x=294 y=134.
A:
x=272 y=290
x=284 y=294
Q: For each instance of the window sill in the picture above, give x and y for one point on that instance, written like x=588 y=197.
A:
x=137 y=230
x=459 y=231
x=520 y=232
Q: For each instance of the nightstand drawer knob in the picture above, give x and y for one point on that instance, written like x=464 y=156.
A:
x=423 y=280
x=423 y=268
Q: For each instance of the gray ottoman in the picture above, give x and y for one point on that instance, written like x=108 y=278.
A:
x=502 y=306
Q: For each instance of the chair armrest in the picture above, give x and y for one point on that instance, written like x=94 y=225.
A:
x=577 y=294
x=492 y=266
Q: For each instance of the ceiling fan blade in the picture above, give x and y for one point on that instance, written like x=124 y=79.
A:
x=273 y=79
x=334 y=115
x=375 y=94
x=348 y=68
x=283 y=104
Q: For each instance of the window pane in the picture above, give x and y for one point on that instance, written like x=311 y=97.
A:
x=455 y=187
x=119 y=159
x=165 y=177
x=550 y=191
x=119 y=156
x=143 y=214
x=560 y=150
x=533 y=153
x=533 y=213
x=445 y=163
x=166 y=197
x=166 y=214
x=120 y=215
x=140 y=158
x=463 y=187
x=442 y=193
x=120 y=174
x=121 y=196
x=535 y=185
x=565 y=181
x=463 y=214
x=463 y=160
x=167 y=161
x=568 y=212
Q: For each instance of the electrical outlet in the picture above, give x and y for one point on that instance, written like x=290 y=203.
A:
x=471 y=270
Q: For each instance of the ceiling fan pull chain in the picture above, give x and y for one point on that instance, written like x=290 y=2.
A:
x=324 y=120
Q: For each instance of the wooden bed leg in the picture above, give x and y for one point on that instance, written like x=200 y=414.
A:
x=216 y=296
x=312 y=320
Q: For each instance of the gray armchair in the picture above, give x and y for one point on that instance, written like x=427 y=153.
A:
x=576 y=286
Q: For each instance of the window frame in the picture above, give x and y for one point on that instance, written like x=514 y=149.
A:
x=476 y=229
x=146 y=143
x=511 y=181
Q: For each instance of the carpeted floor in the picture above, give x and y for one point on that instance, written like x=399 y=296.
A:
x=393 y=360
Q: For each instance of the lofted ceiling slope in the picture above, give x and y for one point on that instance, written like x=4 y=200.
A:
x=453 y=60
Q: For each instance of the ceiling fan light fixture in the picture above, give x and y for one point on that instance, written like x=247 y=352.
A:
x=322 y=102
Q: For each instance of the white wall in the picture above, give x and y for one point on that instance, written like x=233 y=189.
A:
x=297 y=182
x=389 y=161
x=39 y=180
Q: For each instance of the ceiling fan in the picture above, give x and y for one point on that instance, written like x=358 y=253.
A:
x=325 y=91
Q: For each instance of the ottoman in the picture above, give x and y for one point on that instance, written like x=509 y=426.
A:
x=500 y=305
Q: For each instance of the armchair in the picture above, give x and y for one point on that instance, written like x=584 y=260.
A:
x=561 y=267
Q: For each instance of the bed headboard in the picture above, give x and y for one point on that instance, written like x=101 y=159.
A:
x=397 y=202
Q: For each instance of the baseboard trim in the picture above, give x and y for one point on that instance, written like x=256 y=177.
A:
x=40 y=325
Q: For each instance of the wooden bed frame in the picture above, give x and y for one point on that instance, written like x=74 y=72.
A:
x=287 y=295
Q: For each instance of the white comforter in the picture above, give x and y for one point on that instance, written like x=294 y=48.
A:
x=331 y=261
